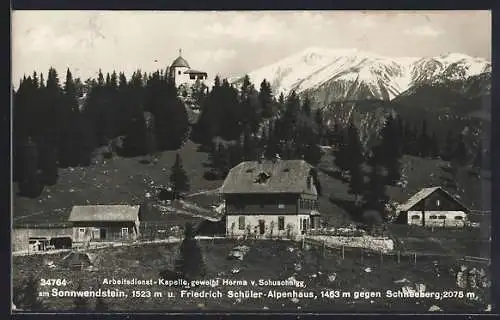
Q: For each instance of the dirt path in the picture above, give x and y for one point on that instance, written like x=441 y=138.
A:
x=212 y=191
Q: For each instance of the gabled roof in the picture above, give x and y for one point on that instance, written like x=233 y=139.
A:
x=192 y=71
x=104 y=213
x=180 y=62
x=285 y=176
x=422 y=194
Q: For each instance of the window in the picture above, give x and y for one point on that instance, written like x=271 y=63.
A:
x=281 y=223
x=201 y=77
x=81 y=230
x=433 y=217
x=438 y=203
x=459 y=218
x=179 y=72
x=281 y=206
x=241 y=223
x=442 y=217
x=192 y=76
x=415 y=217
x=124 y=232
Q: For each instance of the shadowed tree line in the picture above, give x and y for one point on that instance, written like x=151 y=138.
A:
x=58 y=126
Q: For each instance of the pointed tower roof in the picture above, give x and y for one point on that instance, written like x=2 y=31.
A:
x=180 y=61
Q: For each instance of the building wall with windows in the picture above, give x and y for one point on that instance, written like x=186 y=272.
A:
x=437 y=218
x=266 y=226
x=433 y=207
x=104 y=231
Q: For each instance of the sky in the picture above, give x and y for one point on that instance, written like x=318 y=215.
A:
x=230 y=43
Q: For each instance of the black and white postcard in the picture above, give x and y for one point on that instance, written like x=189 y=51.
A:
x=251 y=161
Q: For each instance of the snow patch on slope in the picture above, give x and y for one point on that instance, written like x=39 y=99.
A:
x=349 y=72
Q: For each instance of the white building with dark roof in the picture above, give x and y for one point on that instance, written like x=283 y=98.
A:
x=183 y=74
x=271 y=198
x=433 y=207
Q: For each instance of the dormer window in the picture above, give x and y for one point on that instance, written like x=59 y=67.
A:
x=262 y=177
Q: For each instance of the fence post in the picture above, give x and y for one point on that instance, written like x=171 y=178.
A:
x=415 y=258
x=381 y=258
x=324 y=248
x=343 y=252
x=399 y=257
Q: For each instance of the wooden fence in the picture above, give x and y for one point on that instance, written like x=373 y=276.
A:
x=399 y=256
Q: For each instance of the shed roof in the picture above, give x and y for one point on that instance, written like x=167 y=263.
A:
x=280 y=176
x=192 y=71
x=422 y=194
x=104 y=213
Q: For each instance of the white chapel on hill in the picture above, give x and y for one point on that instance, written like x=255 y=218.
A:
x=183 y=74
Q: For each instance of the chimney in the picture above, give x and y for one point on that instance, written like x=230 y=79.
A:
x=261 y=158
x=276 y=158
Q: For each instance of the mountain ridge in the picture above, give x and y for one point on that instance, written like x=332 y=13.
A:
x=350 y=74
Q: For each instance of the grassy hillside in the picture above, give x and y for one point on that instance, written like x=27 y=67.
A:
x=126 y=181
x=473 y=191
x=117 y=181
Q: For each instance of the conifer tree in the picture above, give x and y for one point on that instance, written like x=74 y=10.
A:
x=449 y=146
x=340 y=152
x=191 y=264
x=266 y=99
x=68 y=154
x=30 y=185
x=136 y=140
x=391 y=150
x=355 y=161
x=318 y=119
x=47 y=164
x=306 y=106
x=434 y=146
x=460 y=153
x=423 y=142
x=375 y=195
x=235 y=154
x=178 y=176
x=281 y=100
x=249 y=147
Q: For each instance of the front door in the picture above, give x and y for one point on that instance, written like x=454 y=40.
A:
x=81 y=234
x=262 y=227
x=124 y=233
x=102 y=234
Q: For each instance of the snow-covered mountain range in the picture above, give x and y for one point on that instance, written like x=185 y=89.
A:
x=350 y=74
